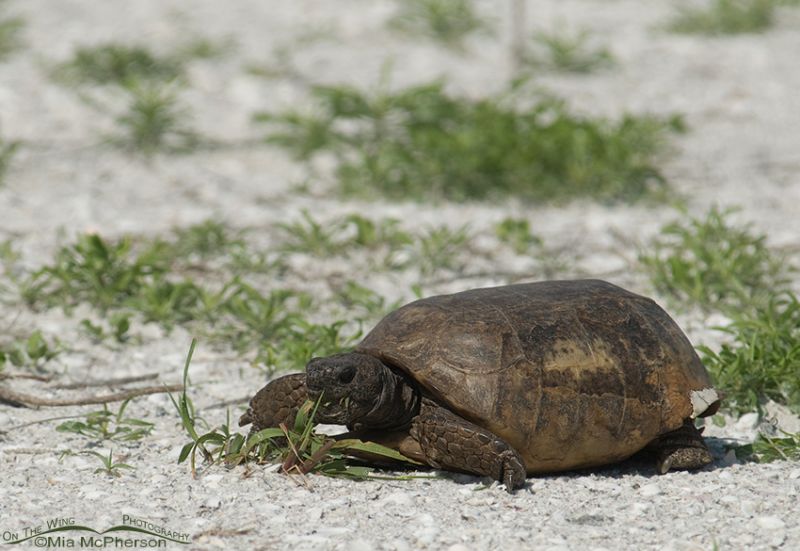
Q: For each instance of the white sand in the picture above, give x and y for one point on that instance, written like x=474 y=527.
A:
x=739 y=96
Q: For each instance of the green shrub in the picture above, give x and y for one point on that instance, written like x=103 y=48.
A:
x=726 y=17
x=763 y=361
x=423 y=143
x=113 y=63
x=566 y=52
x=447 y=21
x=713 y=263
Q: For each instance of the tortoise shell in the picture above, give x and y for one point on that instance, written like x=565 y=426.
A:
x=571 y=373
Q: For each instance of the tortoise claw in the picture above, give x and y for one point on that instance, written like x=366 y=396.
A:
x=513 y=475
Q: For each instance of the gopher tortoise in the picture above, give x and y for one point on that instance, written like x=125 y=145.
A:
x=514 y=380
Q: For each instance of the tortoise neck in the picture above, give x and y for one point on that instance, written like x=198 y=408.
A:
x=397 y=404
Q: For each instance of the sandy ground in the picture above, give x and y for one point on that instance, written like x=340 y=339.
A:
x=739 y=96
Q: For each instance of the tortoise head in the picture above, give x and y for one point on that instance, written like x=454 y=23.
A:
x=360 y=391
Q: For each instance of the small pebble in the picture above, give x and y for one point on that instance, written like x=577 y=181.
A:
x=650 y=490
x=794 y=474
x=361 y=545
x=401 y=499
x=771 y=523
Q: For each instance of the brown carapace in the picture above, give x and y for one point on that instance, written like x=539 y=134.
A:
x=514 y=380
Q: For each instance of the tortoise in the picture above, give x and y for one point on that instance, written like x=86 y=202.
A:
x=512 y=381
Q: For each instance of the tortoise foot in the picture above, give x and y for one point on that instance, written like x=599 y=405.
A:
x=682 y=449
x=276 y=403
x=451 y=442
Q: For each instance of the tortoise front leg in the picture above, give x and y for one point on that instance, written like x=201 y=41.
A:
x=276 y=403
x=451 y=442
x=683 y=448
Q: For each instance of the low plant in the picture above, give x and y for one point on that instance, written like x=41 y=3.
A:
x=572 y=53
x=121 y=64
x=119 y=323
x=307 y=235
x=357 y=299
x=713 y=263
x=105 y=424
x=33 y=351
x=102 y=273
x=293 y=346
x=516 y=232
x=765 y=449
x=440 y=248
x=110 y=467
x=763 y=359
x=422 y=143
x=299 y=449
x=726 y=17
x=10 y=34
x=155 y=121
x=447 y=21
x=7 y=151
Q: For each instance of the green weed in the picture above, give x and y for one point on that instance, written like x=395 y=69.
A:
x=154 y=121
x=299 y=450
x=10 y=34
x=33 y=351
x=120 y=64
x=766 y=449
x=311 y=237
x=118 y=325
x=7 y=151
x=110 y=467
x=516 y=232
x=422 y=143
x=371 y=235
x=713 y=263
x=295 y=344
x=446 y=21
x=572 y=53
x=357 y=299
x=763 y=361
x=101 y=273
x=726 y=17
x=105 y=424
x=342 y=235
x=440 y=248
x=200 y=47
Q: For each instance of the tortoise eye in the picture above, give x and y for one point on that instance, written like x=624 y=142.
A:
x=346 y=374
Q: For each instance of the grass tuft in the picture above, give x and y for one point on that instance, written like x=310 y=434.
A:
x=105 y=424
x=422 y=143
x=714 y=264
x=726 y=17
x=154 y=121
x=447 y=21
x=763 y=361
x=570 y=53
x=7 y=151
x=110 y=467
x=32 y=352
x=10 y=34
x=766 y=449
x=120 y=64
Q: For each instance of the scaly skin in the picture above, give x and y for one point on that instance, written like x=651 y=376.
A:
x=276 y=403
x=451 y=442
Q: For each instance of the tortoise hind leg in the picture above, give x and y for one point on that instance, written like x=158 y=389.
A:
x=683 y=448
x=451 y=442
x=276 y=403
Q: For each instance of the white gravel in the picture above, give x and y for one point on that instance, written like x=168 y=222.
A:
x=739 y=95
